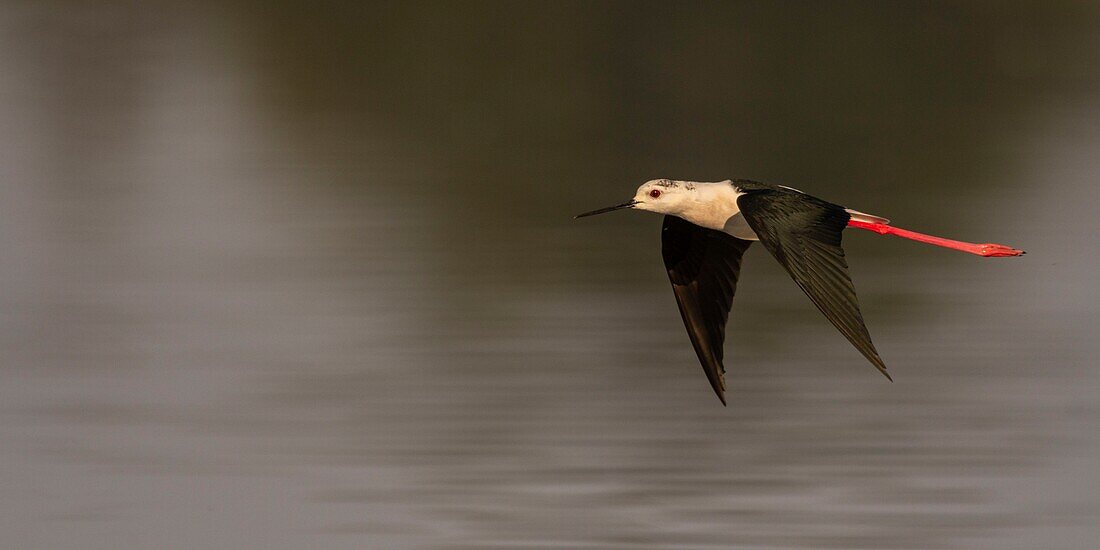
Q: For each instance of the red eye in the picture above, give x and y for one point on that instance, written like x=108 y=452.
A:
x=655 y=193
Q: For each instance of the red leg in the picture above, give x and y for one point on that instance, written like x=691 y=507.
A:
x=985 y=249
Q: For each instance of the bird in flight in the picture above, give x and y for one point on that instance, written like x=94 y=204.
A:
x=709 y=225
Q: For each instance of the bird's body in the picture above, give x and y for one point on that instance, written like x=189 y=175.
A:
x=713 y=204
x=709 y=225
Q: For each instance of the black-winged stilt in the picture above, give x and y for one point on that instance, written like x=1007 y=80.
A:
x=709 y=225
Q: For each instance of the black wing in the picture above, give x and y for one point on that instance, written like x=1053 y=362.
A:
x=803 y=233
x=703 y=266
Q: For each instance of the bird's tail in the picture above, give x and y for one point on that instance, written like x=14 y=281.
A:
x=866 y=218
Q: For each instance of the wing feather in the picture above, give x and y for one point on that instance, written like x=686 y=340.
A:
x=804 y=234
x=703 y=266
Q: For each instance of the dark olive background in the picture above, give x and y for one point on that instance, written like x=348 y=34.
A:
x=304 y=275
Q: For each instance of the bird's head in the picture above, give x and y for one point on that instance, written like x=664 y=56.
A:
x=661 y=196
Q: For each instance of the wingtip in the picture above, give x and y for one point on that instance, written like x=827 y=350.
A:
x=720 y=391
x=881 y=366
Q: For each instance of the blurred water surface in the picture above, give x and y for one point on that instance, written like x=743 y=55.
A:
x=305 y=276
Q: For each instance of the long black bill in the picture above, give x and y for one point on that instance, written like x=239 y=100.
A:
x=628 y=204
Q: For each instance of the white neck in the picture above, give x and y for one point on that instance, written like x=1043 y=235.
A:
x=711 y=204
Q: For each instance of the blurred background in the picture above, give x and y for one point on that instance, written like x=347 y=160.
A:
x=301 y=275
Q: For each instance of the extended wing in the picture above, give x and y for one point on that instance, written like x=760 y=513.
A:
x=703 y=266
x=803 y=233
